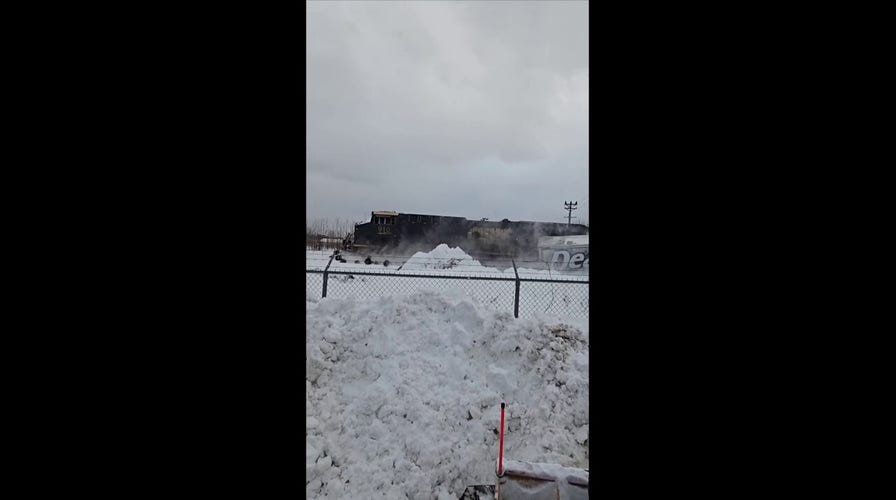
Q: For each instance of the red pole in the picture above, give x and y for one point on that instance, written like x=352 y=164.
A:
x=501 y=444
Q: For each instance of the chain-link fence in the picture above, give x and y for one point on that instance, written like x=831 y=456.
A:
x=314 y=282
x=554 y=297
x=521 y=294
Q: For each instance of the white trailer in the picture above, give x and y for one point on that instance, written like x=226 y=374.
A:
x=565 y=253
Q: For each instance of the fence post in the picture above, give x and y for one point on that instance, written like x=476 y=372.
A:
x=516 y=296
x=325 y=274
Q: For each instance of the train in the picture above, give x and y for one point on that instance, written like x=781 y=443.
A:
x=389 y=231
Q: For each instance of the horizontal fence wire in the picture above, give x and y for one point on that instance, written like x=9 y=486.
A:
x=556 y=296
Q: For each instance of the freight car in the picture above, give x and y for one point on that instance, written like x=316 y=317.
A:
x=394 y=232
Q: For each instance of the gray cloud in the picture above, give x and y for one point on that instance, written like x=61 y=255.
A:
x=476 y=109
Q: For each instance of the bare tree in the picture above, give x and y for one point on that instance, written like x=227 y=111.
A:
x=326 y=233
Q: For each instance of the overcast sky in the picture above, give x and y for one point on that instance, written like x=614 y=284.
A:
x=471 y=109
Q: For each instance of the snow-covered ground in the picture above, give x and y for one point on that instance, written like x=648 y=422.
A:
x=403 y=393
x=559 y=300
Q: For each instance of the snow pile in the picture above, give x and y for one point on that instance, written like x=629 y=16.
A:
x=403 y=395
x=442 y=257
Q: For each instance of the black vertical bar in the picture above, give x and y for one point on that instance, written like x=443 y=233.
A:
x=516 y=296
x=326 y=269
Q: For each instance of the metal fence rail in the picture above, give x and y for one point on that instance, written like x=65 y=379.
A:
x=526 y=295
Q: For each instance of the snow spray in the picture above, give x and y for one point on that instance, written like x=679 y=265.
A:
x=500 y=471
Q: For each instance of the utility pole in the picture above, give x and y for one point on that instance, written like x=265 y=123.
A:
x=570 y=206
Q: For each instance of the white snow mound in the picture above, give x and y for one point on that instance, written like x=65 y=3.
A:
x=443 y=257
x=403 y=395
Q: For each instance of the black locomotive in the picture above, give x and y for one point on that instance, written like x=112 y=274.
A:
x=402 y=233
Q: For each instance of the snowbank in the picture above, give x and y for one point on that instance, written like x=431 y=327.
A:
x=403 y=395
